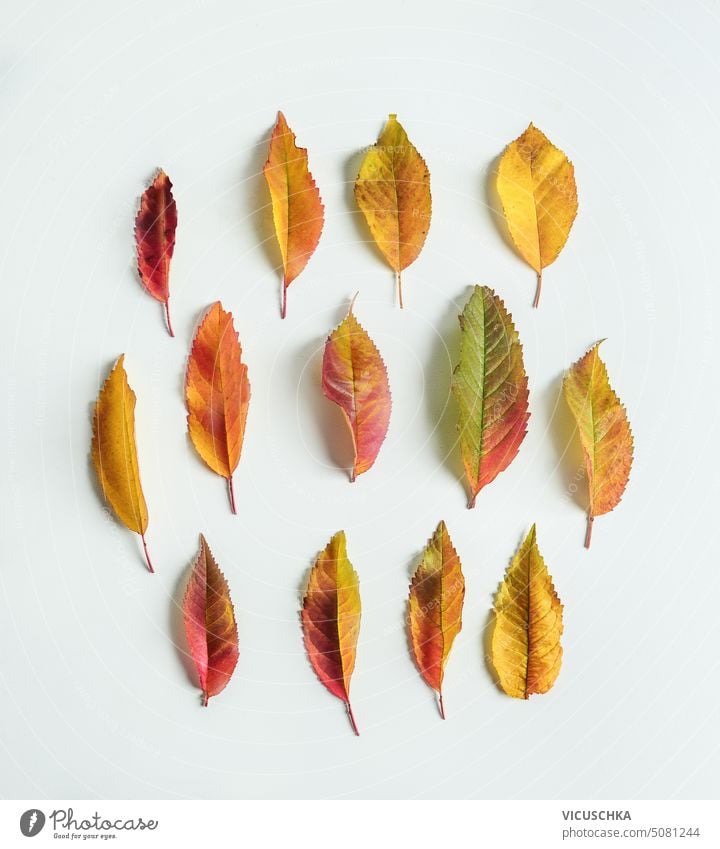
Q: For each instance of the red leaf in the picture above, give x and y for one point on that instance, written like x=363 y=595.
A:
x=155 y=239
x=210 y=624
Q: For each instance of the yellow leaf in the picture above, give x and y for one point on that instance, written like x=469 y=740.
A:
x=536 y=184
x=525 y=650
x=604 y=430
x=114 y=453
x=298 y=212
x=393 y=192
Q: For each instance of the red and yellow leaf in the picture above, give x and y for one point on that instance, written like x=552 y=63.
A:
x=536 y=184
x=331 y=620
x=491 y=389
x=393 y=192
x=298 y=212
x=114 y=452
x=436 y=600
x=210 y=624
x=155 y=240
x=355 y=378
x=217 y=394
x=525 y=647
x=605 y=434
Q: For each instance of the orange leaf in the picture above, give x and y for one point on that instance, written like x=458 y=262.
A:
x=114 y=453
x=331 y=620
x=217 y=394
x=436 y=600
x=604 y=430
x=297 y=209
x=210 y=623
x=155 y=240
x=393 y=192
x=355 y=378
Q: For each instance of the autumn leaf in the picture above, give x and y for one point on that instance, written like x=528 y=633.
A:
x=491 y=389
x=525 y=646
x=210 y=624
x=436 y=600
x=155 y=240
x=393 y=192
x=355 y=378
x=605 y=434
x=217 y=394
x=297 y=209
x=536 y=184
x=331 y=620
x=114 y=453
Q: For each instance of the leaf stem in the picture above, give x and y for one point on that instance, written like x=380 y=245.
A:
x=588 y=532
x=231 y=493
x=167 y=315
x=352 y=719
x=538 y=289
x=283 y=310
x=205 y=698
x=398 y=279
x=147 y=555
x=442 y=705
x=471 y=502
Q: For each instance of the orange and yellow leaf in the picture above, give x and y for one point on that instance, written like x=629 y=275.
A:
x=525 y=647
x=491 y=389
x=436 y=600
x=331 y=620
x=217 y=394
x=536 y=184
x=604 y=430
x=393 y=192
x=298 y=212
x=355 y=378
x=114 y=452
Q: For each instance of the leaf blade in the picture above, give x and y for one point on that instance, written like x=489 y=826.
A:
x=525 y=646
x=298 y=211
x=330 y=619
x=210 y=624
x=536 y=184
x=491 y=389
x=114 y=452
x=604 y=431
x=155 y=227
x=393 y=192
x=217 y=394
x=355 y=378
x=435 y=604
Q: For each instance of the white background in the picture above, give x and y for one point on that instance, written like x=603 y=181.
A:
x=96 y=698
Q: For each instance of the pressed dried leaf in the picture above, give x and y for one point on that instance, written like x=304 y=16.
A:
x=355 y=378
x=298 y=212
x=210 y=624
x=605 y=434
x=217 y=394
x=393 y=192
x=435 y=606
x=525 y=648
x=536 y=184
x=491 y=389
x=331 y=620
x=114 y=452
x=155 y=240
